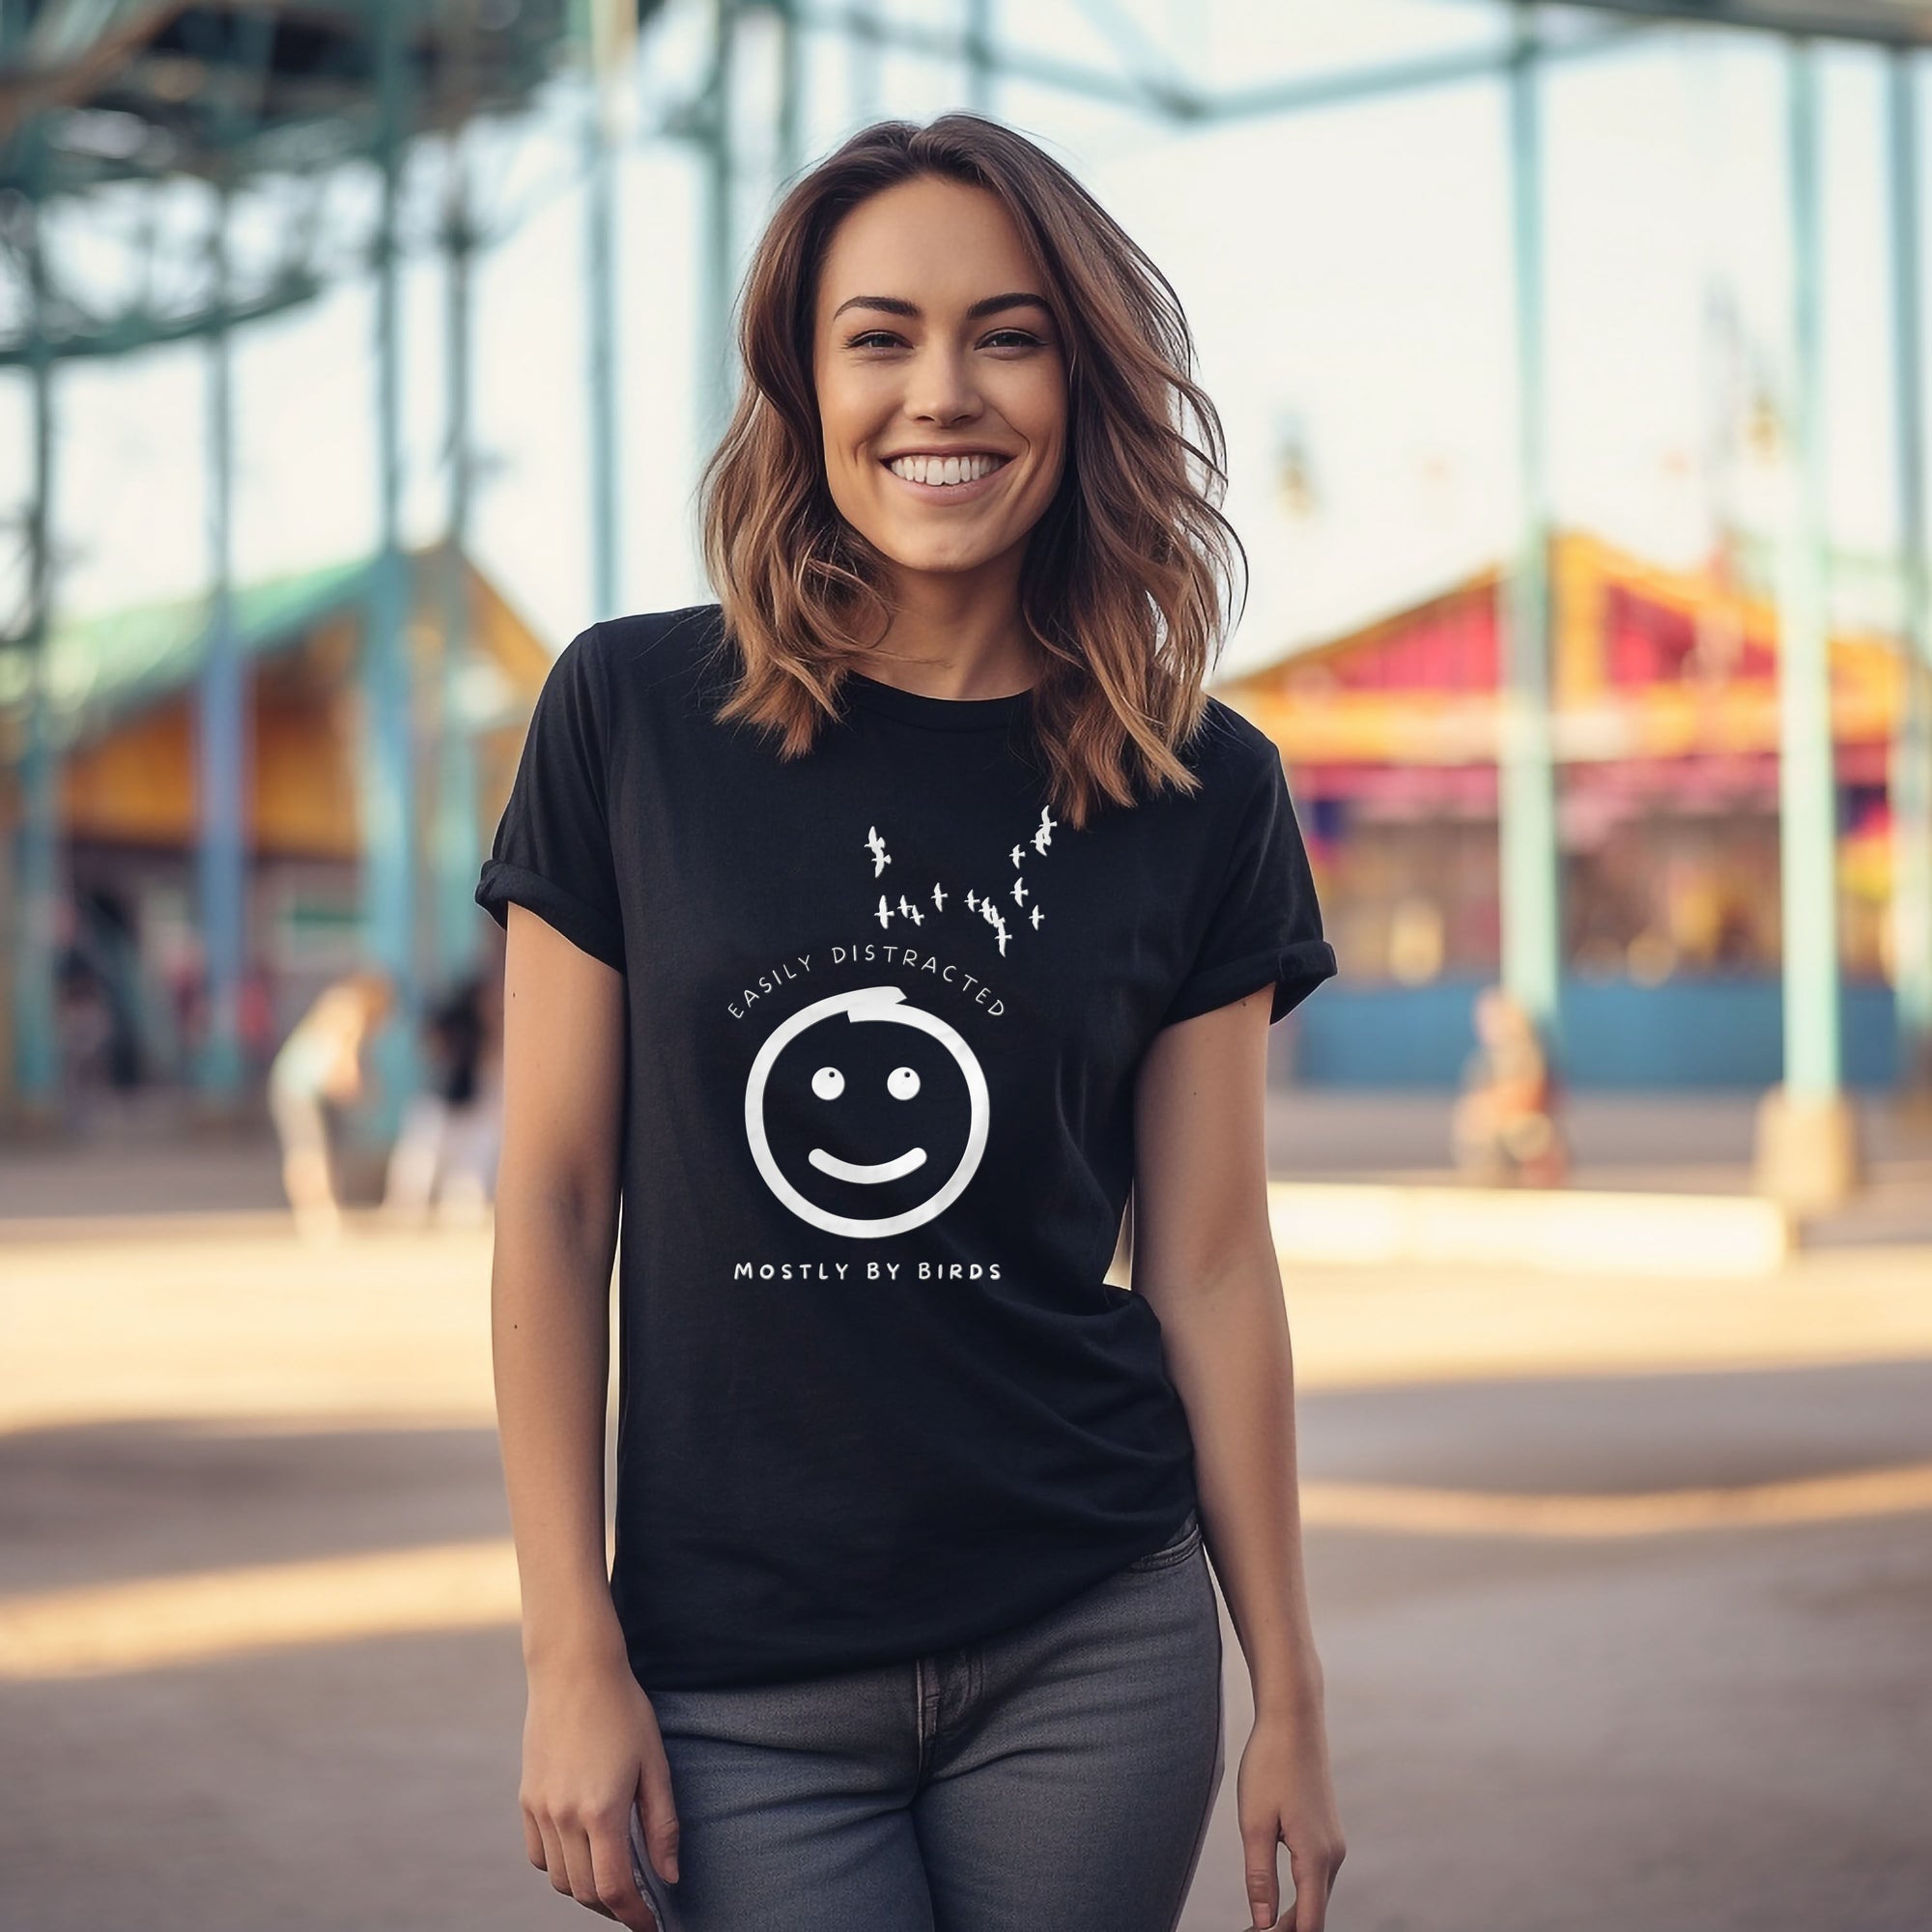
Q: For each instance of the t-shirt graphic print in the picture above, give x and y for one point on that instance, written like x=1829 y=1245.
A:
x=876 y=1396
x=914 y=1077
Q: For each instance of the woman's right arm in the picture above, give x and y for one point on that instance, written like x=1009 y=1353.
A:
x=591 y=1748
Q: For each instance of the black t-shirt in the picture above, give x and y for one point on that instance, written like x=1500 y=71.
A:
x=876 y=1396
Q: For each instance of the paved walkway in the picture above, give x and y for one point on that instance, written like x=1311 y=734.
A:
x=1620 y=1588
x=144 y=1159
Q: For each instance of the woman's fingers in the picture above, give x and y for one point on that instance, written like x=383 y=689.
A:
x=1263 y=1883
x=552 y=1859
x=585 y=1878
x=658 y=1815
x=589 y=1860
x=618 y=1894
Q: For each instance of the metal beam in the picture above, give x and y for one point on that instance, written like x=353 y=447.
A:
x=1910 y=779
x=717 y=352
x=1896 y=23
x=387 y=767
x=221 y=734
x=600 y=249
x=1807 y=786
x=981 y=73
x=1529 y=865
x=457 y=842
x=36 y=856
x=1182 y=101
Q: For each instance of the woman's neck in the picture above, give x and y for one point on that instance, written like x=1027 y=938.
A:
x=958 y=635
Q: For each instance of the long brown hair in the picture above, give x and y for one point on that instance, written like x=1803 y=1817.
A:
x=1126 y=572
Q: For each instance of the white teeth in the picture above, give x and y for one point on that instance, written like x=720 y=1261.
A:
x=944 y=470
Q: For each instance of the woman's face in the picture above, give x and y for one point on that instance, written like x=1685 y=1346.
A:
x=942 y=386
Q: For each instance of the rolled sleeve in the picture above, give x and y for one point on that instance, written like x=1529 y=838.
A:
x=1265 y=927
x=552 y=852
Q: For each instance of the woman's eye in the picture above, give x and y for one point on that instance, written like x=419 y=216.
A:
x=874 y=338
x=1013 y=338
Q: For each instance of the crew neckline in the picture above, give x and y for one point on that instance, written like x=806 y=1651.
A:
x=940 y=714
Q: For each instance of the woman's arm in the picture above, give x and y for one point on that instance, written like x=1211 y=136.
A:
x=1204 y=1256
x=550 y=1289
x=592 y=1747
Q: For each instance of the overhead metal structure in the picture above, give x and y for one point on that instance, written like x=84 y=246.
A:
x=1887 y=23
x=329 y=83
x=246 y=99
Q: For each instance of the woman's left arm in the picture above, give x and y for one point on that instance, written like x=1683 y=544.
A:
x=1203 y=1256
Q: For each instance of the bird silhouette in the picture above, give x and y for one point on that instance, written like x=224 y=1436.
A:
x=881 y=858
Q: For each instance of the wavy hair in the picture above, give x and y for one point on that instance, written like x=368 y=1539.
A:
x=1127 y=571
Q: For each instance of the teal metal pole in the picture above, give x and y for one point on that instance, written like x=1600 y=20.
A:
x=388 y=820
x=861 y=60
x=1526 y=777
x=980 y=75
x=36 y=1067
x=458 y=843
x=1807 y=789
x=222 y=726
x=1911 y=774
x=600 y=250
x=716 y=347
x=791 y=97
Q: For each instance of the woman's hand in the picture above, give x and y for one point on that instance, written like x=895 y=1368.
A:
x=1282 y=1792
x=592 y=1750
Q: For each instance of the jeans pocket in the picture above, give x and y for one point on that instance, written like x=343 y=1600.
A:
x=1177 y=1550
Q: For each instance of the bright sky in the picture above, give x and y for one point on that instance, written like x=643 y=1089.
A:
x=1346 y=271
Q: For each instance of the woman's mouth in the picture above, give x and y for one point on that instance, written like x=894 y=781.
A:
x=946 y=480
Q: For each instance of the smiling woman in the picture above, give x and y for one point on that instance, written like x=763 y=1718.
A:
x=971 y=447
x=910 y=1620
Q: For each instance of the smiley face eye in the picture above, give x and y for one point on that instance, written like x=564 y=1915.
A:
x=827 y=1082
x=902 y=1082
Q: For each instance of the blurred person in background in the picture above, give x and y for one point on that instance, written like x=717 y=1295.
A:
x=319 y=1069
x=871 y=933
x=443 y=1165
x=1504 y=1123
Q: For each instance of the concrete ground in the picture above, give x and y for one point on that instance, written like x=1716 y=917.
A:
x=138 y=1157
x=1622 y=1590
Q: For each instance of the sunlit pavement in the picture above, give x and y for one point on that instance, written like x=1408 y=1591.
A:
x=1624 y=1591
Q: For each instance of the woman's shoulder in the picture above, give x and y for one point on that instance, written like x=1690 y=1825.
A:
x=652 y=645
x=651 y=657
x=1229 y=751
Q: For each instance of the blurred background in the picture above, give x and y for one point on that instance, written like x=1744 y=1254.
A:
x=355 y=353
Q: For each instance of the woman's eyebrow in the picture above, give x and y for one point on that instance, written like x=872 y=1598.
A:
x=986 y=306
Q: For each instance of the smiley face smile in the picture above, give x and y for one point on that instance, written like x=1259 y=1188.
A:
x=873 y=1172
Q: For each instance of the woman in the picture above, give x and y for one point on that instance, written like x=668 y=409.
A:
x=871 y=932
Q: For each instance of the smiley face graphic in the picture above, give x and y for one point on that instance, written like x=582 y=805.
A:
x=861 y=1101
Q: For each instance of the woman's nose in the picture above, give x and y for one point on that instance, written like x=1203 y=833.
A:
x=940 y=385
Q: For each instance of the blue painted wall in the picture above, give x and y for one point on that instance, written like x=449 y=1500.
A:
x=1687 y=1034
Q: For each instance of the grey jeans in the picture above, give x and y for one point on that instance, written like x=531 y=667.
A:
x=1057 y=1778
